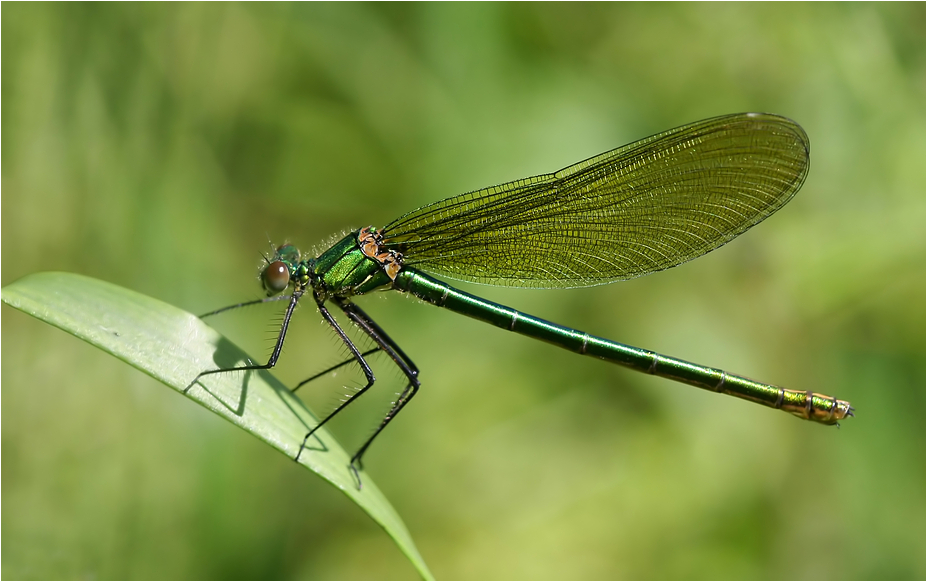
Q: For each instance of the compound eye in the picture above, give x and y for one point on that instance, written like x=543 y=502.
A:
x=275 y=277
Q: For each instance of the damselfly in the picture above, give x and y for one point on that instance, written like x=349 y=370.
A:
x=641 y=208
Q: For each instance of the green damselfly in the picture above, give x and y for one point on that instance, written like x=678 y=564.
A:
x=641 y=208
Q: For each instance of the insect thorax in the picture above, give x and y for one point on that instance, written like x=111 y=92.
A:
x=355 y=265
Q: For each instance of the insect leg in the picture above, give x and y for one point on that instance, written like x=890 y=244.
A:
x=274 y=355
x=245 y=304
x=335 y=367
x=376 y=333
x=368 y=373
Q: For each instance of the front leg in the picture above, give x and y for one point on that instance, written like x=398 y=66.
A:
x=277 y=348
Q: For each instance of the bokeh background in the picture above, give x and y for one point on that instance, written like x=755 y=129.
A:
x=160 y=147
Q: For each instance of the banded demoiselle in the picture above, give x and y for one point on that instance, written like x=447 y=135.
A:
x=641 y=208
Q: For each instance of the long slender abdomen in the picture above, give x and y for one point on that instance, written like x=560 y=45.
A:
x=808 y=405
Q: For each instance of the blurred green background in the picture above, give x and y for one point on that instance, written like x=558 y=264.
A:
x=160 y=146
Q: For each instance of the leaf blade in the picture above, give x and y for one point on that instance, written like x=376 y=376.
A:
x=173 y=346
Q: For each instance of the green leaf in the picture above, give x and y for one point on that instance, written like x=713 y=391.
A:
x=173 y=346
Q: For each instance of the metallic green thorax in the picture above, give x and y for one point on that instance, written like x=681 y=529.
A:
x=344 y=270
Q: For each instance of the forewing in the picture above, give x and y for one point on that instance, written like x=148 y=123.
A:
x=644 y=207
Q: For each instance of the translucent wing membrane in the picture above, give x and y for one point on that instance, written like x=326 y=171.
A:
x=644 y=207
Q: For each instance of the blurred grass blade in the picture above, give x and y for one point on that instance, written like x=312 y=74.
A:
x=173 y=346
